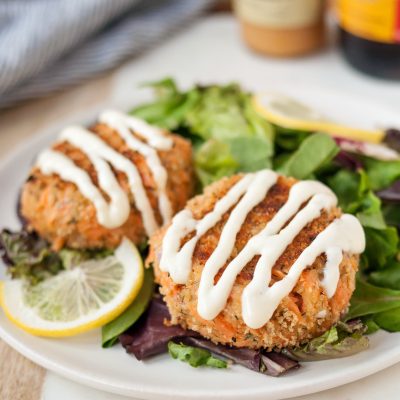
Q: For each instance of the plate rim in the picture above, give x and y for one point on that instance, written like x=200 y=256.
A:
x=384 y=361
x=381 y=362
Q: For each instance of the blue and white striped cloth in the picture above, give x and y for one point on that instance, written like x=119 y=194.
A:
x=46 y=45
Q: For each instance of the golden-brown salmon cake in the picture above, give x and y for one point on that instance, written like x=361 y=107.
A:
x=305 y=313
x=58 y=212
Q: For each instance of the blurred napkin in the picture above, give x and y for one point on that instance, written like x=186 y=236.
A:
x=46 y=45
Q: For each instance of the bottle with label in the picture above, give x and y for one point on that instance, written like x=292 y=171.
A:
x=370 y=35
x=282 y=27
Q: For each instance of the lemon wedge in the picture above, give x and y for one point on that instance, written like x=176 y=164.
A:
x=77 y=300
x=289 y=113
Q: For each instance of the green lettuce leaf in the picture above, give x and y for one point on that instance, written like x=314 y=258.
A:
x=381 y=246
x=346 y=185
x=113 y=329
x=170 y=107
x=252 y=153
x=227 y=133
x=388 y=320
x=381 y=174
x=370 y=212
x=229 y=136
x=219 y=114
x=391 y=213
x=356 y=197
x=28 y=256
x=195 y=356
x=289 y=139
x=388 y=277
x=371 y=325
x=342 y=340
x=214 y=160
x=315 y=151
x=369 y=299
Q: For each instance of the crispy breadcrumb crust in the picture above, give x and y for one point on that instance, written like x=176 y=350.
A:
x=305 y=313
x=58 y=212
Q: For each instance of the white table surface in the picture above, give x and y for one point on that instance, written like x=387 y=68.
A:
x=211 y=51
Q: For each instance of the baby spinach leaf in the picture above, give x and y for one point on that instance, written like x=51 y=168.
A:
x=289 y=139
x=113 y=329
x=194 y=356
x=391 y=214
x=371 y=325
x=382 y=173
x=355 y=196
x=369 y=299
x=345 y=184
x=381 y=245
x=315 y=151
x=388 y=320
x=388 y=277
x=370 y=214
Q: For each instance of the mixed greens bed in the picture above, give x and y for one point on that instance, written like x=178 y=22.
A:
x=229 y=136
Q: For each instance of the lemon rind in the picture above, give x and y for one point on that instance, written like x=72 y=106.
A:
x=331 y=128
x=83 y=328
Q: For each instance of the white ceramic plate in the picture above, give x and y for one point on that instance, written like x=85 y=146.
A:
x=82 y=359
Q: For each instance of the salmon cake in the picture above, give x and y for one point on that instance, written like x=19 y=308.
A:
x=270 y=264
x=119 y=178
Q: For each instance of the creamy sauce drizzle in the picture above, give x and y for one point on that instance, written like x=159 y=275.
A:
x=114 y=213
x=123 y=124
x=259 y=301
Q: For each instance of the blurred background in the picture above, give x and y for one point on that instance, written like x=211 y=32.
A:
x=60 y=59
x=48 y=45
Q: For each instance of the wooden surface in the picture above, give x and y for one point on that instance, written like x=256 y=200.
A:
x=20 y=379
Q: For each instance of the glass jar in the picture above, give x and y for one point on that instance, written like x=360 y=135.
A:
x=370 y=35
x=283 y=28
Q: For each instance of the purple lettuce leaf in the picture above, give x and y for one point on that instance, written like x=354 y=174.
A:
x=390 y=194
x=150 y=336
x=392 y=138
x=348 y=160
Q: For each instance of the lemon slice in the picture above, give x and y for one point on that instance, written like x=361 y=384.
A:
x=76 y=300
x=289 y=113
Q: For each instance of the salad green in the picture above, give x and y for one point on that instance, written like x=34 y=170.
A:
x=30 y=257
x=342 y=340
x=111 y=331
x=194 y=356
x=313 y=153
x=227 y=134
x=229 y=137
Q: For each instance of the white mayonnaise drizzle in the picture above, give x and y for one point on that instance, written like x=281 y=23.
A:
x=114 y=213
x=109 y=214
x=259 y=301
x=123 y=124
